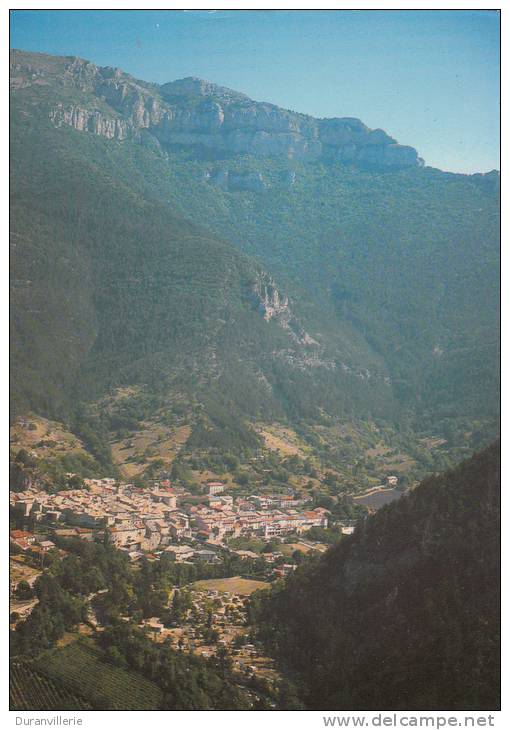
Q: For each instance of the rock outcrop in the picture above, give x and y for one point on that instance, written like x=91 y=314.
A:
x=91 y=120
x=195 y=113
x=274 y=305
x=271 y=302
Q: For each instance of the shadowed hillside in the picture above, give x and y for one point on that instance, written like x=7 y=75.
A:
x=404 y=614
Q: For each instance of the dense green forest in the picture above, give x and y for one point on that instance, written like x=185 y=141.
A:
x=405 y=613
x=408 y=260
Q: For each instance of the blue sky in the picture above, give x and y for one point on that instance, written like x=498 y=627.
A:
x=429 y=78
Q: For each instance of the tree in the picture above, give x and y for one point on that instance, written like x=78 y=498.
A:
x=242 y=478
x=288 y=697
x=23 y=457
x=298 y=556
x=24 y=591
x=76 y=482
x=224 y=660
x=114 y=656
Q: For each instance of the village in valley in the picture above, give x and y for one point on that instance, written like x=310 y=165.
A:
x=160 y=518
x=225 y=544
x=164 y=522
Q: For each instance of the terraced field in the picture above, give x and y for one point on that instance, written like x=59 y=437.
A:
x=152 y=442
x=80 y=668
x=29 y=690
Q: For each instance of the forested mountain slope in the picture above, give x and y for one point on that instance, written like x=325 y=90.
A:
x=325 y=270
x=404 y=614
x=110 y=287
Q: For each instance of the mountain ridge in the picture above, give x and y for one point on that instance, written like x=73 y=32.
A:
x=222 y=118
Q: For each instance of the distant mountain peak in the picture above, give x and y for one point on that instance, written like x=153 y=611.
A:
x=194 y=86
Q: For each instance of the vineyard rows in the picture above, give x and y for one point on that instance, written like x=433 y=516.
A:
x=79 y=668
x=28 y=690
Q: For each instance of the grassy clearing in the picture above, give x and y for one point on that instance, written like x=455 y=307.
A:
x=236 y=585
x=288 y=548
x=70 y=637
x=20 y=571
x=283 y=440
x=44 y=438
x=432 y=443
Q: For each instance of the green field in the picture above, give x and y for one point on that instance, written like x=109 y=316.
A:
x=80 y=668
x=236 y=585
x=29 y=690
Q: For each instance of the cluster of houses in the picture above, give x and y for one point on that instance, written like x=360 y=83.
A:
x=160 y=518
x=219 y=522
x=25 y=540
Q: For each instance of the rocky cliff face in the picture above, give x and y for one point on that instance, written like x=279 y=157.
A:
x=271 y=303
x=196 y=113
x=91 y=120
